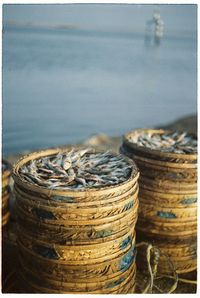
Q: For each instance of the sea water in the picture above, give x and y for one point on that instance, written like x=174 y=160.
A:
x=62 y=86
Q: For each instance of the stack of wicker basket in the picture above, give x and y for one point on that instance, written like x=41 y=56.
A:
x=6 y=173
x=168 y=201
x=74 y=241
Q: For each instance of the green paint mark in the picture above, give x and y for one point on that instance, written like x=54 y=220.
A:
x=103 y=233
x=125 y=243
x=128 y=206
x=115 y=283
x=127 y=259
x=166 y=214
x=43 y=214
x=189 y=201
x=46 y=252
x=63 y=199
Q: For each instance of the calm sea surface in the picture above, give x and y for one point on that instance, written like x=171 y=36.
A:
x=63 y=86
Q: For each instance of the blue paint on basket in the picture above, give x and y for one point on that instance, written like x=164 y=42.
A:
x=127 y=259
x=103 y=233
x=115 y=283
x=43 y=214
x=166 y=214
x=46 y=252
x=63 y=199
x=175 y=175
x=128 y=206
x=189 y=201
x=125 y=242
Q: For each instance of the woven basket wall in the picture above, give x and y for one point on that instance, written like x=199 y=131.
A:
x=6 y=173
x=76 y=241
x=168 y=201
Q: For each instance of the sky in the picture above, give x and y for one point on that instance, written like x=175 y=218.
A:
x=129 y=17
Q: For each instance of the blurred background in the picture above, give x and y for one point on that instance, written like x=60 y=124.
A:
x=71 y=71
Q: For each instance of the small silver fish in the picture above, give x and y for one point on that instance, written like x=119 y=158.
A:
x=166 y=142
x=77 y=169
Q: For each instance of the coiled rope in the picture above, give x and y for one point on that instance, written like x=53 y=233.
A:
x=152 y=263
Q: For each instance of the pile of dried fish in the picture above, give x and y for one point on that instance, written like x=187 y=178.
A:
x=77 y=170
x=174 y=142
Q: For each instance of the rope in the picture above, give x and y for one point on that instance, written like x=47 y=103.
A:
x=152 y=268
x=174 y=286
x=159 y=290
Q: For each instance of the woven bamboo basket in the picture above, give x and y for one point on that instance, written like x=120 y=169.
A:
x=174 y=165
x=169 y=171
x=167 y=241
x=169 y=187
x=76 y=254
x=6 y=173
x=79 y=284
x=168 y=200
x=183 y=257
x=76 y=241
x=99 y=270
x=79 y=234
x=60 y=270
x=186 y=229
x=70 y=196
x=119 y=286
x=187 y=251
x=72 y=216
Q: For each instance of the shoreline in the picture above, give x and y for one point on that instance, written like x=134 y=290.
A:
x=104 y=142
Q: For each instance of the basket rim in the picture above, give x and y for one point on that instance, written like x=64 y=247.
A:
x=48 y=152
x=155 y=151
x=80 y=281
x=77 y=247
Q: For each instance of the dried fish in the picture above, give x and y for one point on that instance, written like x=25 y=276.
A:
x=174 y=142
x=77 y=169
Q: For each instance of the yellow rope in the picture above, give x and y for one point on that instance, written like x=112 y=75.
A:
x=157 y=288
x=194 y=282
x=174 y=286
x=149 y=286
x=153 y=268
